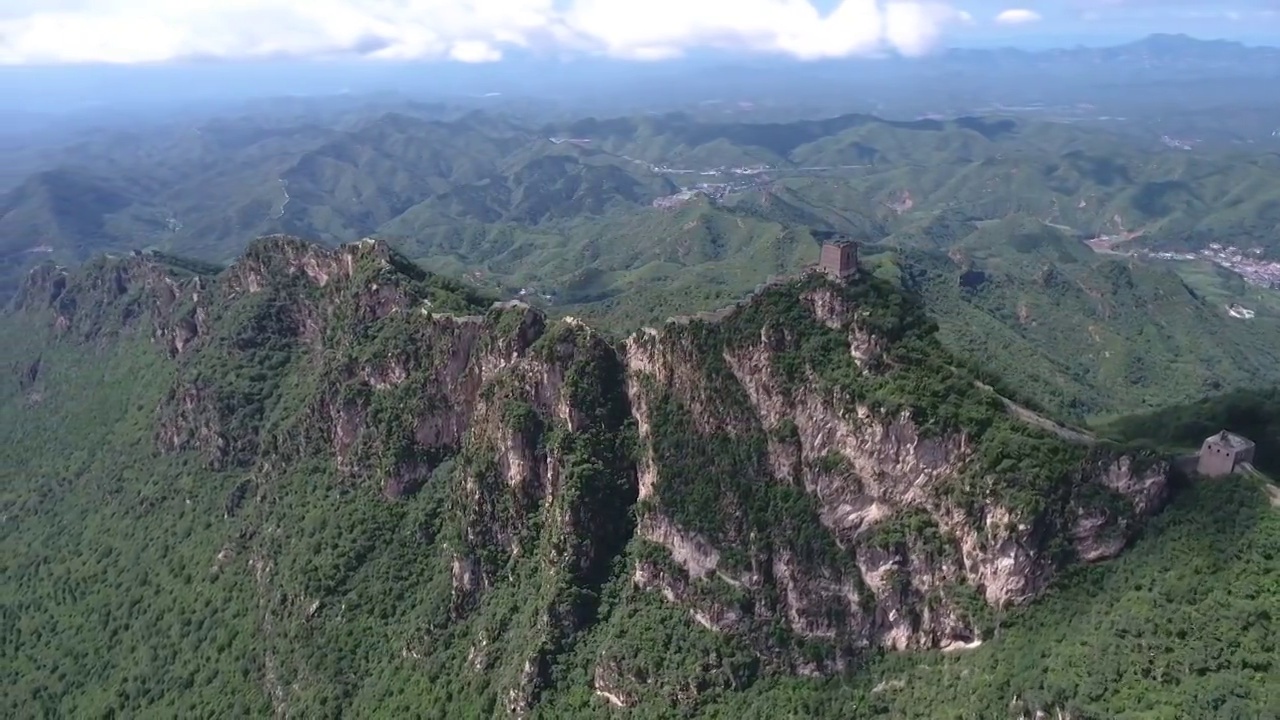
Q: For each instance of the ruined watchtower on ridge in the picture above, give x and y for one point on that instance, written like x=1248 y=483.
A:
x=839 y=258
x=1221 y=454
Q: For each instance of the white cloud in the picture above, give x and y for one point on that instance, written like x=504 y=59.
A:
x=138 y=31
x=915 y=28
x=1018 y=16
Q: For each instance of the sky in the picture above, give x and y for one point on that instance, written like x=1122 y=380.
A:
x=54 y=32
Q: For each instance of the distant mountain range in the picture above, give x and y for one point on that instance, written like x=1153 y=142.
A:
x=632 y=219
x=1154 y=52
x=597 y=85
x=209 y=189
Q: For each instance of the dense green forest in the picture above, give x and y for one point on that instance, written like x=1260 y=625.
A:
x=143 y=583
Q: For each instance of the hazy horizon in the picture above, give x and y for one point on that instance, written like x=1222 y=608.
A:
x=62 y=32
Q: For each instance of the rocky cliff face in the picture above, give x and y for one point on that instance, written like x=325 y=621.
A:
x=110 y=294
x=907 y=547
x=807 y=472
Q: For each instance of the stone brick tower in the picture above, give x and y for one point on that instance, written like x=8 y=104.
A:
x=1221 y=454
x=839 y=258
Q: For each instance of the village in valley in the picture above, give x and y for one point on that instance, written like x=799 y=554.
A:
x=1249 y=264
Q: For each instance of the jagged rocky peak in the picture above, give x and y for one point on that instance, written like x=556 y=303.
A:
x=400 y=359
x=42 y=287
x=111 y=292
x=269 y=258
x=814 y=457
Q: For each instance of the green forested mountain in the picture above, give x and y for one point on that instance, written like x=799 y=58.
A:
x=297 y=480
x=206 y=190
x=326 y=483
x=564 y=216
x=1093 y=335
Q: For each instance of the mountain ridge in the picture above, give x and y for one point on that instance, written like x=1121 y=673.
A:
x=810 y=475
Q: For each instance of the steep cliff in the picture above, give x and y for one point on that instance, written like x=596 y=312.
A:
x=807 y=474
x=812 y=461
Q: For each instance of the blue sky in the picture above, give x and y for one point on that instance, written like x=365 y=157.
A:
x=44 y=32
x=1110 y=21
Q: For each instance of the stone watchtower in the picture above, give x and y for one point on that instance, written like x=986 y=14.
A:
x=1221 y=454
x=839 y=258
